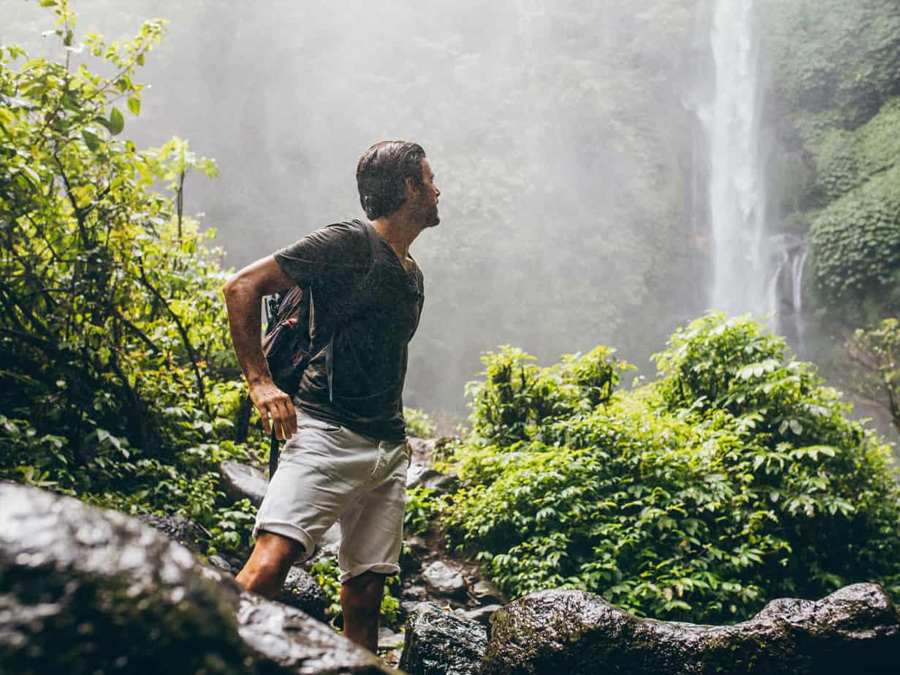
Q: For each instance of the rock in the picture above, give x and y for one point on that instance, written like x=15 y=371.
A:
x=300 y=590
x=576 y=632
x=418 y=545
x=410 y=559
x=221 y=564
x=185 y=532
x=84 y=591
x=422 y=475
x=414 y=592
x=388 y=639
x=441 y=579
x=421 y=449
x=480 y=614
x=485 y=591
x=288 y=641
x=441 y=643
x=241 y=481
x=330 y=543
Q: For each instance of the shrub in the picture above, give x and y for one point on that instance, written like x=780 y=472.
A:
x=733 y=479
x=856 y=240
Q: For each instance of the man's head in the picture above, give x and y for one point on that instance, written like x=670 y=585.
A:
x=392 y=173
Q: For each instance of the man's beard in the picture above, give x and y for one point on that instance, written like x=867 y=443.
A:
x=428 y=217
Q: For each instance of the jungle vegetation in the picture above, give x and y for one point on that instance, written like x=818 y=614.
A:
x=734 y=477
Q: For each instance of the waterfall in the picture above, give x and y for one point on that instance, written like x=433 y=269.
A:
x=785 y=292
x=737 y=199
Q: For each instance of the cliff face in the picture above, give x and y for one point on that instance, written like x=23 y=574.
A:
x=834 y=105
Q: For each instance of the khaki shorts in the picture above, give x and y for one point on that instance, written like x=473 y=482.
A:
x=327 y=473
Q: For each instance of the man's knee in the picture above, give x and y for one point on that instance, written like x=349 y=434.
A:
x=269 y=563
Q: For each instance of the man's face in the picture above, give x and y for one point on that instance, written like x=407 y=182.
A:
x=426 y=199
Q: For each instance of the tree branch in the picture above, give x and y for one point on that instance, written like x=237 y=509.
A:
x=192 y=355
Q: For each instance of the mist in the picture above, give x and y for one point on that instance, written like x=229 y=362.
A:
x=564 y=136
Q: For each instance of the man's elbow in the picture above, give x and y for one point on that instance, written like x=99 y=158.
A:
x=233 y=286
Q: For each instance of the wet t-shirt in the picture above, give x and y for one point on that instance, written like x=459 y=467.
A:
x=368 y=306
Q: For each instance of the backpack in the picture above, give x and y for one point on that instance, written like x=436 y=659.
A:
x=288 y=341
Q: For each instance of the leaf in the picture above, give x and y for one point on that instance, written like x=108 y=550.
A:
x=116 y=122
x=91 y=140
x=134 y=105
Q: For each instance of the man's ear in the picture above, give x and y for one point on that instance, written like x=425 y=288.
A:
x=411 y=186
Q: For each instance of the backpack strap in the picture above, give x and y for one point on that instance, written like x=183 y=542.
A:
x=375 y=248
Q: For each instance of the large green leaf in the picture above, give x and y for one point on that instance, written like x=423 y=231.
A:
x=116 y=122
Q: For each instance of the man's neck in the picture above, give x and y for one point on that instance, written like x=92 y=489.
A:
x=398 y=231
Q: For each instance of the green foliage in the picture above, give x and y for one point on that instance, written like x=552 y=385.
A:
x=835 y=68
x=856 y=240
x=848 y=159
x=518 y=400
x=875 y=353
x=418 y=423
x=327 y=574
x=735 y=478
x=834 y=62
x=421 y=509
x=705 y=359
x=119 y=382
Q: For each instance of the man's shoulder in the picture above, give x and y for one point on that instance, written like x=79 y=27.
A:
x=344 y=241
x=342 y=231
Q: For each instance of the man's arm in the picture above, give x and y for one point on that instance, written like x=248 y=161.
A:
x=243 y=293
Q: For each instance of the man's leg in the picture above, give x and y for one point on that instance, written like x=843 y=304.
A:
x=269 y=564
x=361 y=605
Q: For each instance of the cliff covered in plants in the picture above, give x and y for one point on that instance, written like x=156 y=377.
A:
x=835 y=104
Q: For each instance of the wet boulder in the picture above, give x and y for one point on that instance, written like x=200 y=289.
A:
x=286 y=640
x=84 y=590
x=300 y=590
x=242 y=481
x=576 y=632
x=439 y=642
x=185 y=532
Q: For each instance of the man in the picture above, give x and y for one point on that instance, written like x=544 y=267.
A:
x=346 y=453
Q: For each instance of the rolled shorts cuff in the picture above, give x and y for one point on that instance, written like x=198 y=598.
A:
x=379 y=568
x=290 y=531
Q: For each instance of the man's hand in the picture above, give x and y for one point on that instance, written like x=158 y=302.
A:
x=274 y=403
x=408 y=453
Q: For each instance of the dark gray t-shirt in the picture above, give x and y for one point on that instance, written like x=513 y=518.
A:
x=370 y=330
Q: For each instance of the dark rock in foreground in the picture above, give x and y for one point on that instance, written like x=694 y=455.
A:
x=439 y=642
x=855 y=629
x=241 y=481
x=85 y=591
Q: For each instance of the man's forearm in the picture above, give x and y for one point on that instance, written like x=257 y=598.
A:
x=244 y=320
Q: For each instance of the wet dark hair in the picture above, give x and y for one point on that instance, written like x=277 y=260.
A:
x=381 y=175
